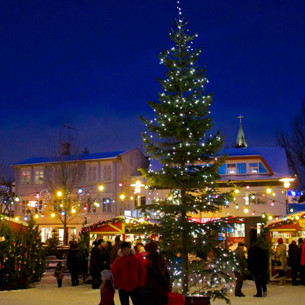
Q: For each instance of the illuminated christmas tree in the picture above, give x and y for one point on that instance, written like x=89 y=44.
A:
x=179 y=138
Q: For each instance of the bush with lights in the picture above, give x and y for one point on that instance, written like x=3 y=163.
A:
x=22 y=257
x=179 y=139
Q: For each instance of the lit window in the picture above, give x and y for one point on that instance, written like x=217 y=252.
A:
x=26 y=177
x=107 y=206
x=253 y=168
x=38 y=176
x=231 y=168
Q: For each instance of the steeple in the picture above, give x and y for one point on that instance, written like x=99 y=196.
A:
x=240 y=140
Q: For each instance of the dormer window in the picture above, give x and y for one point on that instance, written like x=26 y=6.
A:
x=253 y=168
x=231 y=168
x=242 y=168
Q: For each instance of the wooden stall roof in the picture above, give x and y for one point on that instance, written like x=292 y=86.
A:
x=16 y=225
x=115 y=225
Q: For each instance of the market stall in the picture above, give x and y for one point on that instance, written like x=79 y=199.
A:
x=288 y=228
x=110 y=228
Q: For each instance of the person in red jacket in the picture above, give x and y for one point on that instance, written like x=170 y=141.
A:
x=107 y=289
x=128 y=273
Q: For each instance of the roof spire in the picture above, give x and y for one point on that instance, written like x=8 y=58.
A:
x=240 y=140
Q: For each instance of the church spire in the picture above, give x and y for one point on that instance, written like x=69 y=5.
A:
x=240 y=140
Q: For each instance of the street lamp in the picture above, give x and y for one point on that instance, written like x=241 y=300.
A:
x=287 y=182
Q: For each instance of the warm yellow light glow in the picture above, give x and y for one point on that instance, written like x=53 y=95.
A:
x=273 y=194
x=17 y=199
x=246 y=210
x=122 y=196
x=297 y=217
x=73 y=211
x=270 y=217
x=53 y=215
x=137 y=186
x=36 y=216
x=101 y=187
x=236 y=191
x=268 y=190
x=131 y=198
x=263 y=216
x=59 y=194
x=16 y=218
x=286 y=182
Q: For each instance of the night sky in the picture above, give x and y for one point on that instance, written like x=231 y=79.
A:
x=95 y=63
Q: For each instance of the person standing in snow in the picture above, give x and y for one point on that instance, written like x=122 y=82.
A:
x=128 y=273
x=258 y=264
x=107 y=288
x=59 y=273
x=280 y=255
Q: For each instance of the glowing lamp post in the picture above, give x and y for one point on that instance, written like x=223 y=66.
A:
x=286 y=182
x=137 y=190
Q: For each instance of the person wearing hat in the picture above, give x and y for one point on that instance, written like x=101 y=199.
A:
x=96 y=263
x=280 y=255
x=107 y=288
x=128 y=273
x=157 y=281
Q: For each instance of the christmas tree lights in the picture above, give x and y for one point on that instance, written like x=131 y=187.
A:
x=179 y=138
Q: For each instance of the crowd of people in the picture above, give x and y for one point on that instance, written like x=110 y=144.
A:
x=139 y=273
x=256 y=261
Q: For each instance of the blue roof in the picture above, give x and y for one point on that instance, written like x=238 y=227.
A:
x=95 y=156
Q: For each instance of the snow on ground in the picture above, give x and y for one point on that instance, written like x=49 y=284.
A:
x=46 y=292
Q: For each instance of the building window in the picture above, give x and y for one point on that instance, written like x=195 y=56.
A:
x=107 y=172
x=241 y=168
x=92 y=173
x=142 y=201
x=26 y=177
x=262 y=169
x=222 y=169
x=46 y=233
x=257 y=198
x=253 y=168
x=231 y=168
x=107 y=205
x=39 y=176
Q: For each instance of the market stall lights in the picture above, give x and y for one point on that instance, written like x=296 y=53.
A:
x=59 y=194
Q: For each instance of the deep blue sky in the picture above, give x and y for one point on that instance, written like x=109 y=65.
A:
x=96 y=62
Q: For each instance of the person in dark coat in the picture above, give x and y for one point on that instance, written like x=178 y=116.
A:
x=115 y=249
x=96 y=264
x=105 y=256
x=294 y=261
x=157 y=281
x=258 y=264
x=240 y=254
x=73 y=263
x=301 y=267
